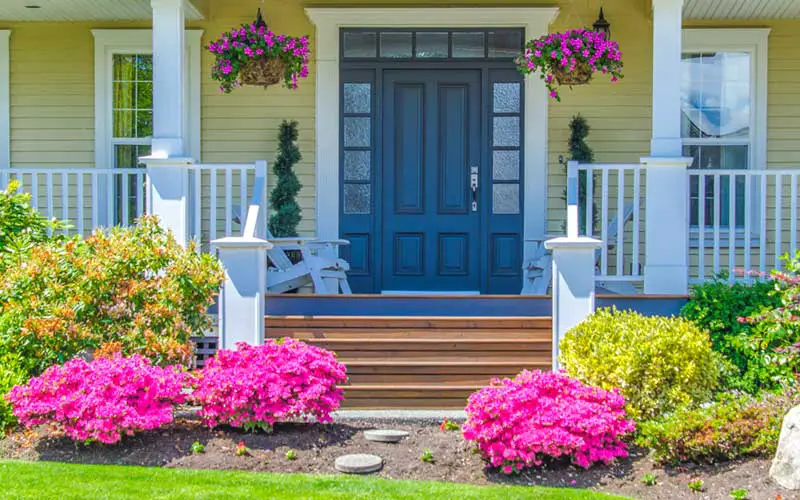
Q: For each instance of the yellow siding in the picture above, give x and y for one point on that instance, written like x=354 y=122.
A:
x=52 y=94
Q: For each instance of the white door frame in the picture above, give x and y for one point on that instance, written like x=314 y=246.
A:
x=329 y=21
x=5 y=98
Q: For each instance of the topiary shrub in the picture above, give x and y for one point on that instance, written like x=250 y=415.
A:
x=516 y=423
x=659 y=364
x=131 y=291
x=717 y=306
x=101 y=400
x=729 y=429
x=254 y=387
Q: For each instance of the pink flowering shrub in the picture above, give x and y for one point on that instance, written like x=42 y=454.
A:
x=561 y=57
x=101 y=400
x=515 y=423
x=237 y=47
x=256 y=386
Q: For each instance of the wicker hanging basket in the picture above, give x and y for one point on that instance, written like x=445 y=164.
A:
x=580 y=76
x=263 y=72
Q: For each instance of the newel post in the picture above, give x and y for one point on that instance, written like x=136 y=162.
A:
x=573 y=270
x=241 y=303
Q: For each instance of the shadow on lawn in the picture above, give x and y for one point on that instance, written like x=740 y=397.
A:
x=170 y=444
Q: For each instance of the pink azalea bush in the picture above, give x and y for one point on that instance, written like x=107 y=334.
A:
x=256 y=386
x=569 y=52
x=237 y=47
x=101 y=400
x=515 y=423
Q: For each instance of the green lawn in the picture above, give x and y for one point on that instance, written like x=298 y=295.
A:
x=47 y=480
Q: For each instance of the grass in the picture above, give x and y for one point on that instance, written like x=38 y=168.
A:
x=48 y=480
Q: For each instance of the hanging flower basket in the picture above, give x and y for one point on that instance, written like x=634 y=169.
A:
x=254 y=55
x=570 y=58
x=263 y=72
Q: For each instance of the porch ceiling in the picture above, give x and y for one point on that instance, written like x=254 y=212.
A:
x=741 y=9
x=83 y=10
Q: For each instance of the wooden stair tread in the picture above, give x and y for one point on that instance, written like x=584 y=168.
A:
x=408 y=321
x=410 y=387
x=399 y=363
x=425 y=341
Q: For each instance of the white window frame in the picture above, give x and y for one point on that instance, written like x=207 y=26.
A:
x=753 y=41
x=140 y=41
x=5 y=98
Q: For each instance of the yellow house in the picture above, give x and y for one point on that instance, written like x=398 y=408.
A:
x=422 y=145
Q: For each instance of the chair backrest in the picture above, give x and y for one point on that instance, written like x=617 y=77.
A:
x=614 y=226
x=277 y=255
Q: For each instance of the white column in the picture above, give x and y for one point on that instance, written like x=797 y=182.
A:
x=241 y=304
x=573 y=284
x=667 y=188
x=169 y=74
x=167 y=169
x=667 y=41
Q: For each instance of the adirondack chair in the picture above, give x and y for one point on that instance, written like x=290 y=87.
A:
x=539 y=269
x=320 y=265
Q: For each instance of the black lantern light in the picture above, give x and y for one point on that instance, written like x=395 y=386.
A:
x=602 y=26
x=260 y=23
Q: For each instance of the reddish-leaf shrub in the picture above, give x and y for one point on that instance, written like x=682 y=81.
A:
x=101 y=400
x=254 y=387
x=515 y=423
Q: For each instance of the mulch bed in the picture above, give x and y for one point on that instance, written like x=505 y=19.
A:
x=317 y=447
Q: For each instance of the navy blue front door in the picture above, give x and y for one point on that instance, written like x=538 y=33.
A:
x=431 y=147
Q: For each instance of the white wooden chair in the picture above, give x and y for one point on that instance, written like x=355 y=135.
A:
x=319 y=266
x=539 y=269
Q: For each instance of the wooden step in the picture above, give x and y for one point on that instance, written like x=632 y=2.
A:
x=400 y=333
x=412 y=395
x=458 y=367
x=408 y=322
x=432 y=344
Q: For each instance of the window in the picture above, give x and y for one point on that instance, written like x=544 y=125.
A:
x=432 y=44
x=723 y=118
x=124 y=112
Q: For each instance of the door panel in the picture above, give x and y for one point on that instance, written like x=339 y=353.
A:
x=431 y=137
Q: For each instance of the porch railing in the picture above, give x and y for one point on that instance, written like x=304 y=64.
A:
x=611 y=208
x=88 y=198
x=741 y=220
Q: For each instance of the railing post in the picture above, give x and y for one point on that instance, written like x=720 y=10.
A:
x=260 y=190
x=168 y=194
x=573 y=284
x=666 y=270
x=573 y=270
x=241 y=304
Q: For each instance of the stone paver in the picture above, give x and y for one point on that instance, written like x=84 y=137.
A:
x=385 y=435
x=359 y=464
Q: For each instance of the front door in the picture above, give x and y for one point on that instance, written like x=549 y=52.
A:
x=431 y=170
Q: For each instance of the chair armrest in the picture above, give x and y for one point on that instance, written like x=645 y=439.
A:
x=296 y=243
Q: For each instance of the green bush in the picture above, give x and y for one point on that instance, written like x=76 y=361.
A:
x=750 y=348
x=21 y=226
x=12 y=372
x=659 y=364
x=726 y=430
x=132 y=290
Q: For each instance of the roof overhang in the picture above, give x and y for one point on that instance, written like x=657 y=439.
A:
x=85 y=10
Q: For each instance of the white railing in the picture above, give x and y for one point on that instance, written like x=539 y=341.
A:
x=740 y=221
x=88 y=198
x=613 y=214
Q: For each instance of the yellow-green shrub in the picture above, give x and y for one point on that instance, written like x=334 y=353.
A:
x=659 y=364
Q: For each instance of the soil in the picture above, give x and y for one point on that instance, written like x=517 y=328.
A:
x=317 y=446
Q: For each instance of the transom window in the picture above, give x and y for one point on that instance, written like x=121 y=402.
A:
x=431 y=44
x=722 y=79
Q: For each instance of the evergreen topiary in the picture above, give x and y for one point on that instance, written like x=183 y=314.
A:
x=286 y=212
x=581 y=152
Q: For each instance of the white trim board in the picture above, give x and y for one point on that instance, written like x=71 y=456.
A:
x=110 y=42
x=5 y=99
x=329 y=21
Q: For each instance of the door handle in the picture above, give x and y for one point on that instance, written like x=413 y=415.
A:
x=473 y=184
